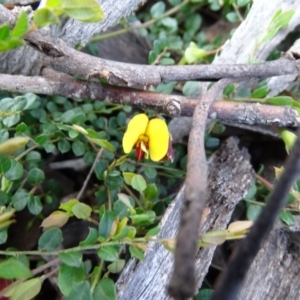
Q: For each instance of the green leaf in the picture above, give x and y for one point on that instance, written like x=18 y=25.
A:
x=3 y=135
x=106 y=223
x=166 y=88
x=64 y=146
x=136 y=252
x=261 y=92
x=151 y=191
x=193 y=23
x=100 y=167
x=53 y=4
x=143 y=219
x=5 y=164
x=127 y=176
x=80 y=291
x=87 y=11
x=11 y=120
x=20 y=199
x=153 y=232
x=280 y=100
x=32 y=101
x=120 y=209
x=204 y=294
x=3 y=236
x=113 y=183
x=193 y=53
x=228 y=90
x=26 y=290
x=253 y=211
x=152 y=56
x=33 y=156
x=42 y=139
x=15 y=172
x=169 y=22
x=45 y=16
x=49 y=148
x=72 y=259
x=232 y=17
x=287 y=218
x=150 y=172
x=212 y=142
x=9 y=45
x=81 y=211
x=14 y=269
x=157 y=9
x=283 y=19
x=116 y=267
x=103 y=144
x=34 y=205
x=105 y=290
x=251 y=192
x=121 y=233
x=3 y=198
x=50 y=239
x=21 y=27
x=22 y=127
x=91 y=238
x=138 y=183
x=289 y=138
x=270 y=34
x=4 y=32
x=108 y=253
x=190 y=87
x=35 y=176
x=68 y=277
x=78 y=148
x=67 y=206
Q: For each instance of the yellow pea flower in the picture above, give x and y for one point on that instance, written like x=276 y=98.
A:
x=149 y=137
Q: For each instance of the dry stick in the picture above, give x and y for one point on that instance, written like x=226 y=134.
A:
x=183 y=282
x=64 y=58
x=170 y=105
x=90 y=174
x=231 y=282
x=70 y=61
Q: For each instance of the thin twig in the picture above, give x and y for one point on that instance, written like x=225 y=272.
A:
x=90 y=174
x=231 y=282
x=45 y=266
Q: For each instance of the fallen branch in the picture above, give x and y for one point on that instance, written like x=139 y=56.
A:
x=183 y=281
x=170 y=105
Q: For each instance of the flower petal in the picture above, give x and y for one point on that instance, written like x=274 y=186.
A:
x=136 y=127
x=158 y=134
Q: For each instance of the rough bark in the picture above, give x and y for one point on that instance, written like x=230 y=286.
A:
x=242 y=48
x=230 y=176
x=274 y=273
x=27 y=61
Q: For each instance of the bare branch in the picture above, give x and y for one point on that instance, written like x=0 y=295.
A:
x=63 y=58
x=170 y=105
x=183 y=281
x=70 y=61
x=232 y=280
